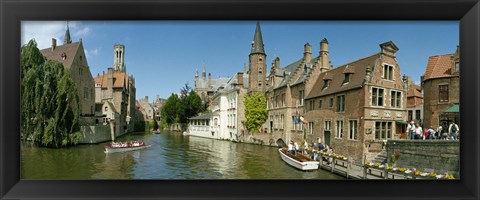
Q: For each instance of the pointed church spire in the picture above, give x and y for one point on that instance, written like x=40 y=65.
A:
x=67 y=39
x=257 y=43
x=204 y=73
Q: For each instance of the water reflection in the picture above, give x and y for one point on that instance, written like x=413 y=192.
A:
x=171 y=156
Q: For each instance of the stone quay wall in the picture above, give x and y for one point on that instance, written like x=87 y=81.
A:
x=95 y=134
x=440 y=155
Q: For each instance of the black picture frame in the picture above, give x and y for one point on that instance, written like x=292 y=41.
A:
x=13 y=12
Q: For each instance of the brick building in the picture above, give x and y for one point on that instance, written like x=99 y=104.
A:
x=414 y=102
x=72 y=56
x=287 y=89
x=356 y=107
x=441 y=83
x=118 y=88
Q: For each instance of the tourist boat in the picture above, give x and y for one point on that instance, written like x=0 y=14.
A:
x=125 y=146
x=155 y=131
x=298 y=161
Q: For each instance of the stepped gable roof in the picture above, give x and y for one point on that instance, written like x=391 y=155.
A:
x=337 y=76
x=290 y=69
x=120 y=80
x=70 y=51
x=438 y=66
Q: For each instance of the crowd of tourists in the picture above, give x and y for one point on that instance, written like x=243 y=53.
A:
x=443 y=132
x=318 y=146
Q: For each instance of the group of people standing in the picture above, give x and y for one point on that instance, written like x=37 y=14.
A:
x=443 y=132
x=293 y=147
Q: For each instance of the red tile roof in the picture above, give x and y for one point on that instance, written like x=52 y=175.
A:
x=120 y=80
x=439 y=66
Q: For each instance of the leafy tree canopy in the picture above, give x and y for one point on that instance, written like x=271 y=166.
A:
x=255 y=110
x=50 y=105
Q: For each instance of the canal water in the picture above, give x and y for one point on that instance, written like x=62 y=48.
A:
x=171 y=156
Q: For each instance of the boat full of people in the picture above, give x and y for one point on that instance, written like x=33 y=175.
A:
x=125 y=146
x=298 y=160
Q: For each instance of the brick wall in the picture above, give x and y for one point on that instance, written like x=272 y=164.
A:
x=440 y=155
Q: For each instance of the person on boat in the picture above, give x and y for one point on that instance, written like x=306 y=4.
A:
x=291 y=147
x=321 y=147
x=297 y=148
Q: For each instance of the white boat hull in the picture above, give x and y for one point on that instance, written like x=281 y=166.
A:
x=309 y=165
x=124 y=149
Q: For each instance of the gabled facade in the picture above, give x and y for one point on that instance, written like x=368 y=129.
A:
x=72 y=56
x=355 y=107
x=441 y=83
x=288 y=87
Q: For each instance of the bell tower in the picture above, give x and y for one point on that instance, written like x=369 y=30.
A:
x=257 y=63
x=119 y=57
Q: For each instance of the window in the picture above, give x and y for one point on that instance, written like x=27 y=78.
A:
x=339 y=132
x=85 y=93
x=347 y=78
x=388 y=72
x=443 y=93
x=283 y=100
x=377 y=96
x=395 y=99
x=325 y=84
x=275 y=125
x=353 y=130
x=260 y=60
x=383 y=130
x=271 y=102
x=310 y=127
x=320 y=103
x=410 y=115
x=294 y=125
x=302 y=96
x=328 y=124
x=341 y=103
x=312 y=104
x=417 y=114
x=277 y=101
x=106 y=108
x=457 y=66
x=282 y=118
x=331 y=103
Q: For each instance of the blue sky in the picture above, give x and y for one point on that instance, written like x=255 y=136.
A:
x=163 y=55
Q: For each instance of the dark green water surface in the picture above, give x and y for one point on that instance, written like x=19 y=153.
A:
x=171 y=156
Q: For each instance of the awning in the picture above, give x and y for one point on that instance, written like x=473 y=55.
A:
x=400 y=122
x=454 y=109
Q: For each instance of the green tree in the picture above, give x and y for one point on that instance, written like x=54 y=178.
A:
x=171 y=110
x=255 y=111
x=50 y=105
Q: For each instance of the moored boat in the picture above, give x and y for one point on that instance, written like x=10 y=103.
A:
x=125 y=146
x=298 y=161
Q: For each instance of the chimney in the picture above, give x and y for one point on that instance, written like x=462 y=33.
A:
x=146 y=99
x=325 y=62
x=277 y=62
x=240 y=78
x=307 y=53
x=110 y=78
x=54 y=43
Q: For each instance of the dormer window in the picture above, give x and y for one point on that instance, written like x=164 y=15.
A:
x=325 y=84
x=347 y=78
x=64 y=56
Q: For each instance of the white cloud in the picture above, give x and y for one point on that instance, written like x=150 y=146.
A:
x=82 y=32
x=44 y=31
x=92 y=52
